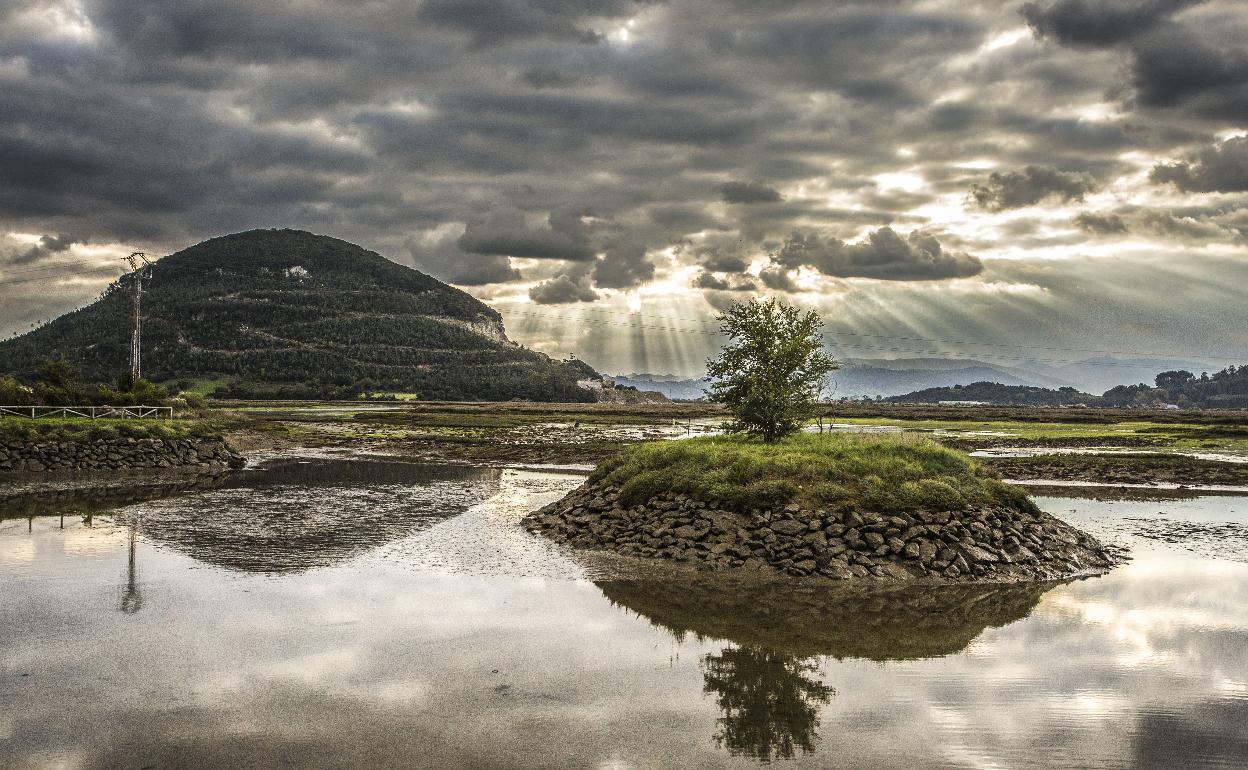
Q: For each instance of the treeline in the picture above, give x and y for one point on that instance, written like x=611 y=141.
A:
x=57 y=383
x=519 y=382
x=996 y=393
x=1227 y=389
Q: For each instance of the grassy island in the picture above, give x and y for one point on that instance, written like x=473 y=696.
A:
x=832 y=471
x=890 y=507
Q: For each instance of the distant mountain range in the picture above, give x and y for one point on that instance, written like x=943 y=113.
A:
x=1223 y=389
x=859 y=378
x=290 y=314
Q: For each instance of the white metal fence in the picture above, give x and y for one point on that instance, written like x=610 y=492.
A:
x=89 y=412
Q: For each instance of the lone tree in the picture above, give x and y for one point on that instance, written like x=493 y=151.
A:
x=771 y=371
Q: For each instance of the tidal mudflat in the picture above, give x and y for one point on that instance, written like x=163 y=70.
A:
x=331 y=611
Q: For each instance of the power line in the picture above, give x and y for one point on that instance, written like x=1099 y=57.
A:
x=893 y=349
x=53 y=268
x=33 y=274
x=40 y=279
x=39 y=276
x=936 y=341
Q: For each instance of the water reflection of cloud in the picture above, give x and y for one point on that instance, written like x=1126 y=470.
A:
x=370 y=662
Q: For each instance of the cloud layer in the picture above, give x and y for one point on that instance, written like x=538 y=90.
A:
x=635 y=153
x=882 y=255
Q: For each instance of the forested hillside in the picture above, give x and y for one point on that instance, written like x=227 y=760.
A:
x=996 y=393
x=1227 y=389
x=285 y=313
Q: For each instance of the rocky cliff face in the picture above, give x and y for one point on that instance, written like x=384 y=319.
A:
x=487 y=327
x=999 y=544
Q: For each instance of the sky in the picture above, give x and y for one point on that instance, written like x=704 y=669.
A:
x=1050 y=180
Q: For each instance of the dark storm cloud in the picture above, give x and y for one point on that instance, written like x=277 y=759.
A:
x=883 y=255
x=623 y=266
x=573 y=286
x=726 y=263
x=778 y=279
x=503 y=231
x=231 y=30
x=177 y=120
x=481 y=271
x=1099 y=23
x=46 y=247
x=684 y=218
x=1196 y=63
x=748 y=192
x=546 y=77
x=444 y=259
x=463 y=137
x=1100 y=224
x=492 y=21
x=705 y=280
x=1017 y=189
x=1180 y=68
x=1220 y=168
x=852 y=48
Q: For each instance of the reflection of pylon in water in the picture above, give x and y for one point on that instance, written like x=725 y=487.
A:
x=132 y=599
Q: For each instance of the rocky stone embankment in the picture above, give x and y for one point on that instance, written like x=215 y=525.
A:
x=115 y=454
x=1001 y=544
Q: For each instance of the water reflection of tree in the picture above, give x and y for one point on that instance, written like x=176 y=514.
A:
x=770 y=701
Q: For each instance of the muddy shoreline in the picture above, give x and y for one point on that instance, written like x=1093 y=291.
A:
x=581 y=436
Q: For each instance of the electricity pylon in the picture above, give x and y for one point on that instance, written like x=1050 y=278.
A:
x=139 y=275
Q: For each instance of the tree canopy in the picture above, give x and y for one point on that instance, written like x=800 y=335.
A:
x=772 y=370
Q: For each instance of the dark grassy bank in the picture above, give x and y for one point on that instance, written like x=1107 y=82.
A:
x=22 y=430
x=1133 y=468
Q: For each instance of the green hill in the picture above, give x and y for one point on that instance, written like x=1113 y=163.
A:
x=998 y=394
x=1226 y=389
x=290 y=314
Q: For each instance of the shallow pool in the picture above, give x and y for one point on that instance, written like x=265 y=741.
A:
x=373 y=613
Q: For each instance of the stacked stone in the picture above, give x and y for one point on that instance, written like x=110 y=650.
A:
x=999 y=543
x=115 y=454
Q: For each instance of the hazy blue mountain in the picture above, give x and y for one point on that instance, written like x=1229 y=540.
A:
x=1099 y=374
x=858 y=378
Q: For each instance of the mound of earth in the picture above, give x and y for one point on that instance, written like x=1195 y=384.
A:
x=976 y=529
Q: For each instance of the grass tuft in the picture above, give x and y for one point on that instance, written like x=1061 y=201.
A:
x=835 y=471
x=23 y=430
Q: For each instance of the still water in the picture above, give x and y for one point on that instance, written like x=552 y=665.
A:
x=372 y=613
